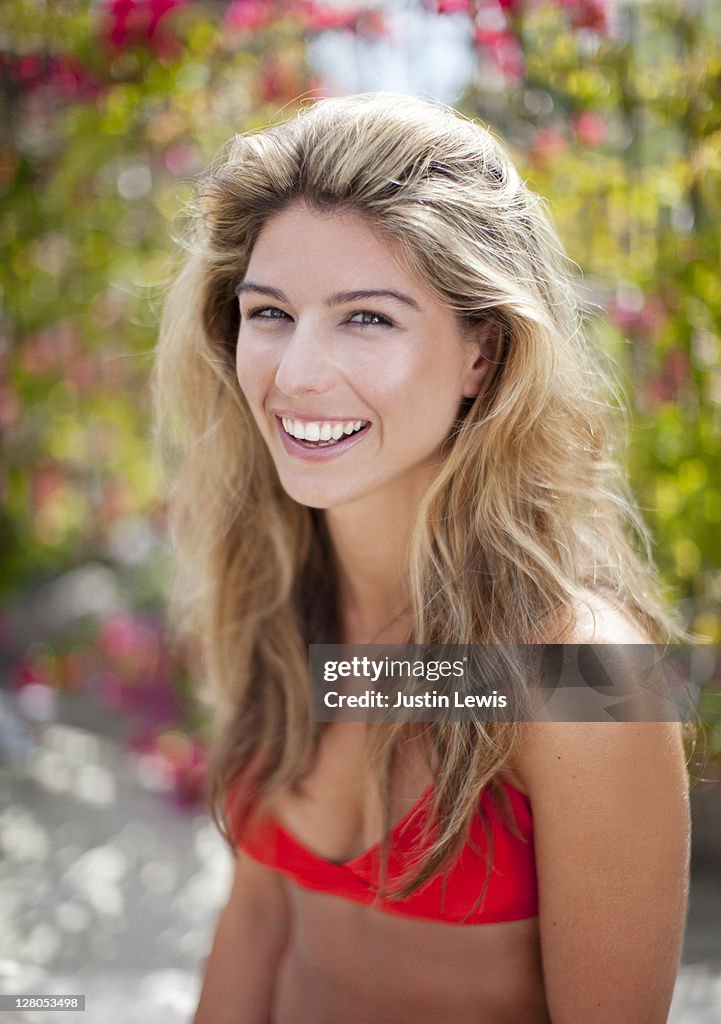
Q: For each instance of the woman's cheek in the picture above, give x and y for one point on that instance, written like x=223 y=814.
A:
x=252 y=371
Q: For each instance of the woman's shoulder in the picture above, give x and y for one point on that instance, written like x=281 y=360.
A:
x=601 y=618
x=553 y=755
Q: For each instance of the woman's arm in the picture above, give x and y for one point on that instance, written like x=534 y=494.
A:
x=611 y=827
x=250 y=937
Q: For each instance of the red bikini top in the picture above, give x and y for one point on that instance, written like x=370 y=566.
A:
x=511 y=893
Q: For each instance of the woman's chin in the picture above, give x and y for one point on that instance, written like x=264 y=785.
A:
x=318 y=496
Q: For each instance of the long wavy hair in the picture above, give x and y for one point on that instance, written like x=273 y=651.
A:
x=528 y=513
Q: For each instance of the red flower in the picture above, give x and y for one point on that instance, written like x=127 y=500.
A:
x=138 y=22
x=35 y=71
x=589 y=14
x=25 y=673
x=70 y=79
x=29 y=69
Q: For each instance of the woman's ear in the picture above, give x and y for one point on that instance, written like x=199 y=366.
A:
x=485 y=343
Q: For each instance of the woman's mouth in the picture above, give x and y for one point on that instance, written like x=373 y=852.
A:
x=321 y=433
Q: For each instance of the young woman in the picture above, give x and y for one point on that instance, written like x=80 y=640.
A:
x=391 y=429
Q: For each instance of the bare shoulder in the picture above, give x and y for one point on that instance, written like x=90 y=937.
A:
x=600 y=619
x=550 y=752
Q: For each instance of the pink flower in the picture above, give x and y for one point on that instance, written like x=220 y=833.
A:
x=247 y=16
x=81 y=370
x=125 y=638
x=548 y=144
x=181 y=158
x=178 y=759
x=509 y=57
x=503 y=48
x=454 y=6
x=642 y=315
x=321 y=17
x=46 y=484
x=278 y=81
x=590 y=128
x=371 y=25
x=26 y=673
x=71 y=80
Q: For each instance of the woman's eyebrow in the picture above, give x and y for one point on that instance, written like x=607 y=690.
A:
x=337 y=299
x=264 y=289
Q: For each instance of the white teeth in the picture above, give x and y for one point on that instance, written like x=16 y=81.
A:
x=323 y=431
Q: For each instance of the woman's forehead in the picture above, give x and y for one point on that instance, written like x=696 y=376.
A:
x=333 y=245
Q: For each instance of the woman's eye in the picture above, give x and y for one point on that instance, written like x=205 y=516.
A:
x=367 y=319
x=265 y=313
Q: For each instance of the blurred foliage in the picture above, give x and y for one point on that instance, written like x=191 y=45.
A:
x=615 y=114
x=111 y=109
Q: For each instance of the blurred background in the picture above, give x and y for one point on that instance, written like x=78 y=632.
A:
x=109 y=110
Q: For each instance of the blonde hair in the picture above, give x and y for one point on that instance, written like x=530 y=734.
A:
x=528 y=512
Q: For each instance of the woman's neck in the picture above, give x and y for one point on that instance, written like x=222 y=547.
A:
x=370 y=540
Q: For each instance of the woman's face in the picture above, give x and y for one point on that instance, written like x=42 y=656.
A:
x=353 y=371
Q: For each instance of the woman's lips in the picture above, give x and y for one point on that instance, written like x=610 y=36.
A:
x=312 y=451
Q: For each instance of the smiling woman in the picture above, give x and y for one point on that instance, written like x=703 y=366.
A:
x=386 y=376
x=391 y=428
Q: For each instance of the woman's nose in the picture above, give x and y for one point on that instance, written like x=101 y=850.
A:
x=305 y=366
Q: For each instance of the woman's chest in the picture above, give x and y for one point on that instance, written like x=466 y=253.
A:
x=337 y=812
